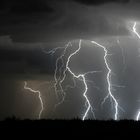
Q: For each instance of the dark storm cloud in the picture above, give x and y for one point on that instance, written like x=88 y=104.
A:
x=25 y=6
x=66 y=20
x=24 y=58
x=100 y=2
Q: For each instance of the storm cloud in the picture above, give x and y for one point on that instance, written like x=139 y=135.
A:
x=66 y=20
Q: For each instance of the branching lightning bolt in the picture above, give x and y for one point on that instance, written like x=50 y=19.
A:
x=59 y=70
x=39 y=96
x=108 y=77
x=82 y=77
x=62 y=75
x=137 y=34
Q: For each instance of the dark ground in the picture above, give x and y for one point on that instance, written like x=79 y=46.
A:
x=68 y=128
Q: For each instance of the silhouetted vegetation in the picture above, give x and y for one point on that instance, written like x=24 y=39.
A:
x=72 y=125
x=69 y=128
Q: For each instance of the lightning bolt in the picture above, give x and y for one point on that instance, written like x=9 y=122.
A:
x=135 y=30
x=63 y=73
x=58 y=70
x=108 y=77
x=137 y=116
x=39 y=96
x=82 y=77
x=137 y=34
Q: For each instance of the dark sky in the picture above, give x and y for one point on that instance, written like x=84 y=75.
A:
x=28 y=27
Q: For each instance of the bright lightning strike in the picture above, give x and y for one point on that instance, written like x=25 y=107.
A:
x=135 y=30
x=137 y=34
x=39 y=96
x=58 y=71
x=108 y=77
x=138 y=116
x=123 y=56
x=62 y=75
x=82 y=76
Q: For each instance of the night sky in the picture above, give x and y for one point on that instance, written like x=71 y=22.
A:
x=31 y=28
